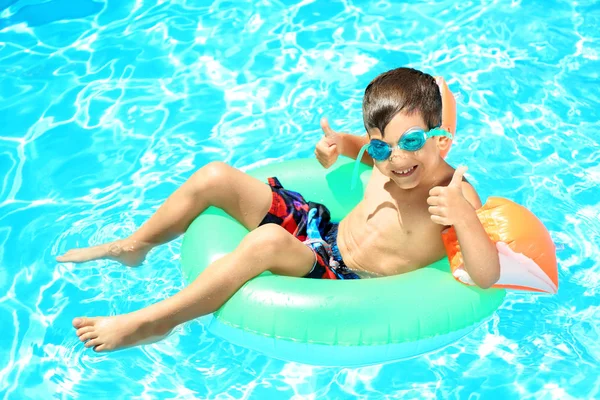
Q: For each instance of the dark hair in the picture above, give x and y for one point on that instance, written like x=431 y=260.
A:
x=402 y=89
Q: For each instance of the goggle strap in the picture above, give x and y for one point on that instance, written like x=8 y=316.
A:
x=357 y=165
x=439 y=132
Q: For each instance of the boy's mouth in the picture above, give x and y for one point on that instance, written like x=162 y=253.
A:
x=404 y=172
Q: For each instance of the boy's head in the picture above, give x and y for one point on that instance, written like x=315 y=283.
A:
x=394 y=103
x=403 y=90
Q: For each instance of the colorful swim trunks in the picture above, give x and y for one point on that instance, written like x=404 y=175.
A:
x=311 y=223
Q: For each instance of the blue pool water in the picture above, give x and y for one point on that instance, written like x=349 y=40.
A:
x=107 y=106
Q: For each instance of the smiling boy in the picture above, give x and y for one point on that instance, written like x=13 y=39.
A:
x=411 y=197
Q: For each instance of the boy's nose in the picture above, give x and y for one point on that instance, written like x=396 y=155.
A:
x=399 y=153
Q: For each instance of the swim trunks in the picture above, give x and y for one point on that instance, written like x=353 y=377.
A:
x=310 y=223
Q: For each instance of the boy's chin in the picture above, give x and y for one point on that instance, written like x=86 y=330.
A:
x=405 y=184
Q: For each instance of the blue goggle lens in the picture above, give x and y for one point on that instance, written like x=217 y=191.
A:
x=413 y=141
x=379 y=150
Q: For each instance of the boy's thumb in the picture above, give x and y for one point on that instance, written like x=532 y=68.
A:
x=327 y=131
x=458 y=176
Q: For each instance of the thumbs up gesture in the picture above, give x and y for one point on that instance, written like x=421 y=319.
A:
x=447 y=203
x=330 y=146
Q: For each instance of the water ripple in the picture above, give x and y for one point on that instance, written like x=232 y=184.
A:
x=111 y=105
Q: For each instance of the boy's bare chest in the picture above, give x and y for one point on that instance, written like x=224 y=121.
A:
x=380 y=206
x=403 y=223
x=396 y=237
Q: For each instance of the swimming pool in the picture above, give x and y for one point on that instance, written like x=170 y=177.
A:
x=108 y=106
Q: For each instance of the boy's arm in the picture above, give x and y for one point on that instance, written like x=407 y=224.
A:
x=455 y=205
x=351 y=145
x=480 y=256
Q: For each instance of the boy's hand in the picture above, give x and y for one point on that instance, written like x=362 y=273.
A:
x=448 y=205
x=330 y=146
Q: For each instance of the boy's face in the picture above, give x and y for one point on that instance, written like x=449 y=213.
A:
x=407 y=168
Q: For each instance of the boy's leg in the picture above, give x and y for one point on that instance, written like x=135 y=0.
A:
x=217 y=184
x=270 y=247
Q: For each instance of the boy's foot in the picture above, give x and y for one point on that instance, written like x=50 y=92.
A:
x=126 y=252
x=119 y=332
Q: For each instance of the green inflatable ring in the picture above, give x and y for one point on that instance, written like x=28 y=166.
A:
x=326 y=322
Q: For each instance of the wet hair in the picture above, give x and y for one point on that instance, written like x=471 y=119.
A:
x=402 y=90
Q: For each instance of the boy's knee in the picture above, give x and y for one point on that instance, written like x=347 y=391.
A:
x=267 y=241
x=212 y=174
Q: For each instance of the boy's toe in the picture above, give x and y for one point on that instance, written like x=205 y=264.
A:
x=84 y=330
x=80 y=322
x=88 y=336
x=93 y=343
x=100 y=348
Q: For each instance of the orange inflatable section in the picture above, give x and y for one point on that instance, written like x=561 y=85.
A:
x=527 y=253
x=448 y=111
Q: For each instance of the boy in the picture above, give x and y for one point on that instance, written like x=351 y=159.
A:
x=413 y=195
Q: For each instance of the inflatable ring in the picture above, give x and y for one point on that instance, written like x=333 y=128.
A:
x=330 y=322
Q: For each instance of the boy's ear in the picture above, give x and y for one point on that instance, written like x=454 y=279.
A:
x=443 y=144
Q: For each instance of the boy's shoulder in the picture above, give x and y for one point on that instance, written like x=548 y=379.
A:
x=470 y=194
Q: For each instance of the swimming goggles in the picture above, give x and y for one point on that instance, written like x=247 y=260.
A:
x=412 y=140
